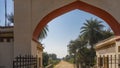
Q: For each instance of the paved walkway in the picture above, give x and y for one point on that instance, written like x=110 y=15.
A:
x=64 y=64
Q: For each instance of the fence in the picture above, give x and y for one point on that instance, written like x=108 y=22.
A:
x=27 y=61
x=111 y=61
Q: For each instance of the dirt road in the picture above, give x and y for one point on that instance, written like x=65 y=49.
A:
x=64 y=64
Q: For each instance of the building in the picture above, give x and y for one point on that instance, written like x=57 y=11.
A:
x=108 y=53
x=6 y=34
x=7 y=48
x=39 y=55
x=37 y=49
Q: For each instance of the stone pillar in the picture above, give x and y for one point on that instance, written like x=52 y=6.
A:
x=22 y=27
x=117 y=53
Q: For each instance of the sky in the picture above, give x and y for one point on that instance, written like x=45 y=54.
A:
x=61 y=29
x=2 y=10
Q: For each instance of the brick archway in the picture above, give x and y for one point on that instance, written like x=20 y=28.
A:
x=82 y=6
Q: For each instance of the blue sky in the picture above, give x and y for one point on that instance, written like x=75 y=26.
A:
x=2 y=10
x=61 y=29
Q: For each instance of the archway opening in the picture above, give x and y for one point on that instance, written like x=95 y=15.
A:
x=57 y=43
x=60 y=33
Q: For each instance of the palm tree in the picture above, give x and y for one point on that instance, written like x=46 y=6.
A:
x=77 y=47
x=43 y=33
x=91 y=31
x=11 y=17
x=107 y=33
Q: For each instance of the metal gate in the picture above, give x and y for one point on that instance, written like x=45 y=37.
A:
x=27 y=61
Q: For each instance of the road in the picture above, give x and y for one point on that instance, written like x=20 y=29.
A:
x=64 y=64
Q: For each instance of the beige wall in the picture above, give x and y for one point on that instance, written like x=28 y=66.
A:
x=111 y=6
x=40 y=8
x=34 y=48
x=106 y=50
x=39 y=55
x=28 y=13
x=6 y=54
x=37 y=52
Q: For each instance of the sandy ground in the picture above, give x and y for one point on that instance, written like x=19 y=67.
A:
x=64 y=64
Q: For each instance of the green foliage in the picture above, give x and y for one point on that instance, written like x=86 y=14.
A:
x=53 y=56
x=54 y=62
x=50 y=59
x=69 y=58
x=91 y=32
x=11 y=17
x=107 y=33
x=45 y=59
x=53 y=59
x=43 y=33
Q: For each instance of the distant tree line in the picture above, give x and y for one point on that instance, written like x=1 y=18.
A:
x=50 y=59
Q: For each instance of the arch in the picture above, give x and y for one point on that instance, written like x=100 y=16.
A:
x=115 y=26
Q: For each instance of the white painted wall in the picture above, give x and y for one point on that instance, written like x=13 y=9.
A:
x=37 y=52
x=6 y=54
x=34 y=48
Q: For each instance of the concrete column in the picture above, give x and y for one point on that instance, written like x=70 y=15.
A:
x=22 y=27
x=117 y=52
